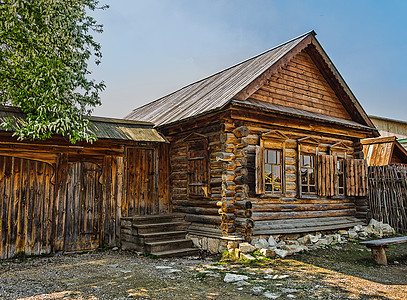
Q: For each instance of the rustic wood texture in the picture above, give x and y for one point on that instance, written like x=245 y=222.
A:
x=301 y=85
x=387 y=198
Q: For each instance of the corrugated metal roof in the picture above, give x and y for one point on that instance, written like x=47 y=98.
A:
x=213 y=92
x=298 y=113
x=102 y=128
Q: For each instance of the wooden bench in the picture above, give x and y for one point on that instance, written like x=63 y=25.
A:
x=378 y=247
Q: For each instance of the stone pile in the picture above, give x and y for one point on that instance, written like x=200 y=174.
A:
x=281 y=246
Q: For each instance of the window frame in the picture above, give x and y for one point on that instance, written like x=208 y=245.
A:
x=273 y=192
x=340 y=151
x=307 y=145
x=272 y=140
x=314 y=168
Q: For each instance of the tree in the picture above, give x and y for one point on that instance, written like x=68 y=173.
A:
x=45 y=46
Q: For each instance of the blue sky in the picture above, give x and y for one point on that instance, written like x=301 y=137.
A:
x=154 y=47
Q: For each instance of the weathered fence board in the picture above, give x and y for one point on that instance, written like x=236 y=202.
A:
x=388 y=195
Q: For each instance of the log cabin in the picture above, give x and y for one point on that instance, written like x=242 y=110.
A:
x=59 y=197
x=269 y=146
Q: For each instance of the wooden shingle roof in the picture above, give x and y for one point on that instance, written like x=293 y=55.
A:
x=239 y=82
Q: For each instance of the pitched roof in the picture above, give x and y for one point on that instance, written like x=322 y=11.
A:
x=102 y=128
x=384 y=151
x=238 y=82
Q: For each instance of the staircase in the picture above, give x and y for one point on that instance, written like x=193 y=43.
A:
x=158 y=235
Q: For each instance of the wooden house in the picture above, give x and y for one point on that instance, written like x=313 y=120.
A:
x=268 y=146
x=55 y=196
x=384 y=151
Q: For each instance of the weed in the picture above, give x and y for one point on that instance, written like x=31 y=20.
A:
x=201 y=275
x=21 y=255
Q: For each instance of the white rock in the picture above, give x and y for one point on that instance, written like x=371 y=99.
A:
x=247 y=256
x=268 y=252
x=272 y=242
x=282 y=253
x=241 y=283
x=358 y=228
x=352 y=234
x=305 y=240
x=260 y=243
x=115 y=248
x=288 y=290
x=322 y=242
x=246 y=248
x=230 y=277
x=257 y=290
x=291 y=296
x=163 y=267
x=271 y=295
x=213 y=245
x=314 y=238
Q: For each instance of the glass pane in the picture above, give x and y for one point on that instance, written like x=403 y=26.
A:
x=277 y=173
x=268 y=177
x=306 y=161
x=312 y=188
x=267 y=168
x=311 y=176
x=272 y=156
x=279 y=157
x=341 y=181
x=304 y=189
x=304 y=177
x=269 y=187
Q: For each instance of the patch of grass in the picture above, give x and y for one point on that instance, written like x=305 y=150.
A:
x=152 y=256
x=227 y=256
x=201 y=275
x=20 y=255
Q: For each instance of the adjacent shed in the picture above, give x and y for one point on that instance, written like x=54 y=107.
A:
x=55 y=196
x=268 y=146
x=384 y=151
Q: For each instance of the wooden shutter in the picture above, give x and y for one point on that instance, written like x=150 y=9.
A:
x=356 y=177
x=327 y=174
x=260 y=186
x=198 y=168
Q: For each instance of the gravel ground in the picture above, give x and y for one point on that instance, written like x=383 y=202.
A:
x=320 y=274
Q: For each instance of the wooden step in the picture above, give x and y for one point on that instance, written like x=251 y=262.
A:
x=168 y=245
x=163 y=236
x=160 y=227
x=177 y=253
x=166 y=218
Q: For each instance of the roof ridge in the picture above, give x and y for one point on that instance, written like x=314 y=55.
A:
x=311 y=32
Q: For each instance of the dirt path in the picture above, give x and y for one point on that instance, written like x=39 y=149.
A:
x=125 y=275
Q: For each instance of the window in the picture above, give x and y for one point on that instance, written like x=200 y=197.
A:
x=308 y=182
x=340 y=171
x=273 y=171
x=270 y=173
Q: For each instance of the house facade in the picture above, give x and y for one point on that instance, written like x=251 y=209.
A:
x=269 y=146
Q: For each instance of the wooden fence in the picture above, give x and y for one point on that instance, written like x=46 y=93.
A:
x=388 y=195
